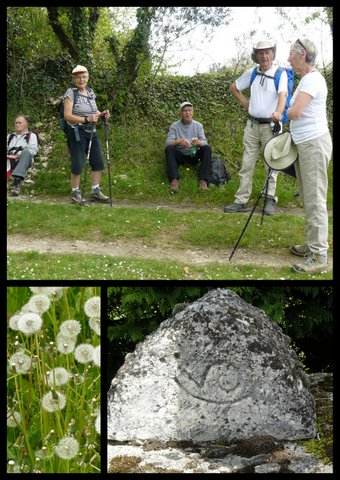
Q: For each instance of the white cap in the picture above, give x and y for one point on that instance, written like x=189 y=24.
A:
x=79 y=69
x=184 y=104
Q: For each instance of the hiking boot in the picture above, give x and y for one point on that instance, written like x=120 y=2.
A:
x=15 y=192
x=97 y=196
x=203 y=185
x=299 y=250
x=313 y=263
x=17 y=182
x=174 y=187
x=269 y=206
x=76 y=196
x=235 y=208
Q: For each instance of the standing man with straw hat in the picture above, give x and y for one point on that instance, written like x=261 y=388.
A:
x=264 y=107
x=81 y=114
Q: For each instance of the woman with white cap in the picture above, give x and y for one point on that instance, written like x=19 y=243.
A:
x=265 y=106
x=309 y=130
x=81 y=114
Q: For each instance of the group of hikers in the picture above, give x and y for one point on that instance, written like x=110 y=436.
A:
x=308 y=143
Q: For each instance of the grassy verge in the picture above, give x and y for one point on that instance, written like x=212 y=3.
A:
x=169 y=230
x=138 y=169
x=21 y=266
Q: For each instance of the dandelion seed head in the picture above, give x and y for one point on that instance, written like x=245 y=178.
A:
x=65 y=345
x=12 y=467
x=92 y=307
x=70 y=328
x=54 y=292
x=78 y=379
x=84 y=353
x=51 y=404
x=20 y=362
x=39 y=303
x=29 y=323
x=13 y=322
x=96 y=356
x=94 y=323
x=13 y=419
x=58 y=376
x=26 y=309
x=67 y=448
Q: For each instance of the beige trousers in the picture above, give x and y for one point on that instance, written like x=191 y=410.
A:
x=254 y=136
x=311 y=173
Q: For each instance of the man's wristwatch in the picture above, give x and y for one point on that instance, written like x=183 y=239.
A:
x=86 y=119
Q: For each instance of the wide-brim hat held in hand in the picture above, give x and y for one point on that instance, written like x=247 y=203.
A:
x=263 y=45
x=280 y=152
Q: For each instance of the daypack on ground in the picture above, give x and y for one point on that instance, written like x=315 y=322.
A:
x=276 y=78
x=218 y=174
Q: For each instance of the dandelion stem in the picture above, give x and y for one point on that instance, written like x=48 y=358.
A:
x=18 y=389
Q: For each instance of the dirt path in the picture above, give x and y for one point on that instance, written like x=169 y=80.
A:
x=137 y=249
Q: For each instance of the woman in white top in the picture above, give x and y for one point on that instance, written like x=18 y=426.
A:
x=309 y=130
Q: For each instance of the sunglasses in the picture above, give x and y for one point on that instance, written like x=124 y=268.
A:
x=302 y=45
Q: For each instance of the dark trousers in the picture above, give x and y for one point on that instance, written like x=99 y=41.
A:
x=174 y=158
x=79 y=148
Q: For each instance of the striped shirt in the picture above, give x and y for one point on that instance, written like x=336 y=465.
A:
x=84 y=106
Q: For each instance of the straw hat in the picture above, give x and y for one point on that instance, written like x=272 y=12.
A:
x=280 y=152
x=263 y=45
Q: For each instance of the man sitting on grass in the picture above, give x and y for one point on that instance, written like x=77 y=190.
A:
x=186 y=142
x=22 y=146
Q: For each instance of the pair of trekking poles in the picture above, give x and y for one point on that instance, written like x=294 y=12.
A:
x=106 y=123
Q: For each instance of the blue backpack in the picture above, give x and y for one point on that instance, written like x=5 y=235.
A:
x=276 y=78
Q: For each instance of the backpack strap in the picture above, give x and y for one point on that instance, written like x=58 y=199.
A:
x=253 y=75
x=277 y=76
x=10 y=138
x=27 y=136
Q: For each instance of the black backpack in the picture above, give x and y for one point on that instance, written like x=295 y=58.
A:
x=62 y=121
x=218 y=174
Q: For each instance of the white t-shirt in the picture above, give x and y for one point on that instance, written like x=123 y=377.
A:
x=312 y=122
x=263 y=94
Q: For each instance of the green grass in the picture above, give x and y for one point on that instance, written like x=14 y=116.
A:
x=33 y=439
x=138 y=168
x=193 y=219
x=21 y=266
x=168 y=230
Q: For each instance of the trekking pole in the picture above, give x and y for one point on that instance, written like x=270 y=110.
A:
x=87 y=164
x=265 y=194
x=249 y=218
x=106 y=122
